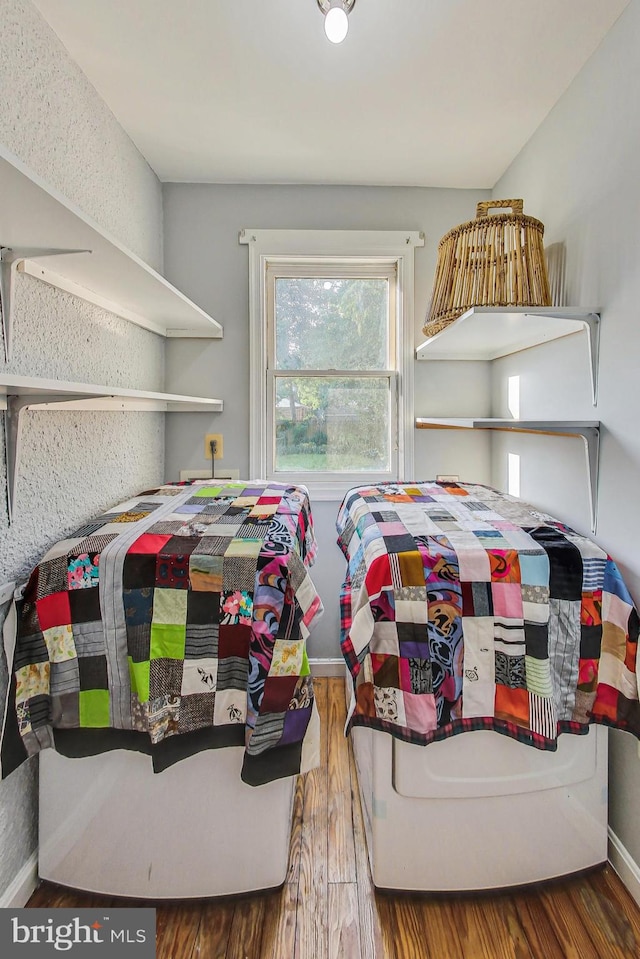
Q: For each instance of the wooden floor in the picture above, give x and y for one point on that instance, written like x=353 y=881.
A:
x=328 y=909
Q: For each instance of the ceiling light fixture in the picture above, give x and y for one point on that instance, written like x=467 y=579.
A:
x=336 y=20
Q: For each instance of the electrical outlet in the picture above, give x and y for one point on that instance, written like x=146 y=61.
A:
x=447 y=478
x=219 y=448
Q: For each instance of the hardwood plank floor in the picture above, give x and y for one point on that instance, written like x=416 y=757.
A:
x=329 y=909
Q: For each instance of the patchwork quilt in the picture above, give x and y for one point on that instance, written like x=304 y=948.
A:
x=464 y=608
x=174 y=622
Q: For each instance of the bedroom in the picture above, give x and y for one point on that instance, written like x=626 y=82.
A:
x=573 y=162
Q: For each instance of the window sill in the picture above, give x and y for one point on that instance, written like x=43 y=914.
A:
x=322 y=490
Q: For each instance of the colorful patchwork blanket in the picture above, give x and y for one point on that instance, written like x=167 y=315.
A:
x=174 y=622
x=464 y=608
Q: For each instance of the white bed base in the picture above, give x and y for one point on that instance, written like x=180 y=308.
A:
x=480 y=810
x=108 y=824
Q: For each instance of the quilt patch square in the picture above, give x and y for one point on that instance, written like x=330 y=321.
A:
x=88 y=638
x=507 y=600
x=167 y=641
x=412 y=640
x=170 y=606
x=180 y=545
x=385 y=671
x=538 y=673
x=505 y=566
x=139 y=570
x=420 y=712
x=172 y=571
x=138 y=642
x=240 y=570
x=234 y=641
x=138 y=606
x=411 y=568
x=278 y=693
x=59 y=642
x=230 y=707
x=52 y=576
x=92 y=671
x=590 y=642
x=32 y=681
x=591 y=609
x=65 y=710
x=53 y=610
x=82 y=571
x=84 y=605
x=536 y=640
x=201 y=641
x=512 y=705
x=199 y=676
x=534 y=569
x=94 y=708
x=295 y=724
x=421 y=676
x=233 y=672
x=203 y=607
x=287 y=658
x=211 y=544
x=139 y=676
x=205 y=572
x=170 y=526
x=32 y=649
x=64 y=677
x=149 y=543
x=510 y=671
x=196 y=712
x=165 y=678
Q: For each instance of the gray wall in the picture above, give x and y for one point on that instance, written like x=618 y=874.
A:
x=579 y=174
x=203 y=258
x=73 y=464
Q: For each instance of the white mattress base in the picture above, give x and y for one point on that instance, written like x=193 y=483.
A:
x=109 y=825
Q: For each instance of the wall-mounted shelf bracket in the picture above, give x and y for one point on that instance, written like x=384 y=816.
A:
x=587 y=430
x=20 y=393
x=16 y=405
x=591 y=323
x=489 y=332
x=10 y=257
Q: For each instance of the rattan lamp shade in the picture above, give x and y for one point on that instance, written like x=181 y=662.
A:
x=494 y=260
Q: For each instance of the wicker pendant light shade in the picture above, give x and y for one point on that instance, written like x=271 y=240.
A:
x=494 y=260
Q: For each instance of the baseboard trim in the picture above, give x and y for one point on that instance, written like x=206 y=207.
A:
x=23 y=885
x=624 y=864
x=327 y=667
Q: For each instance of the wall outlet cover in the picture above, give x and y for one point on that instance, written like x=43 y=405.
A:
x=218 y=438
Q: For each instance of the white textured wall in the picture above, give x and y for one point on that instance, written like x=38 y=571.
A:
x=579 y=174
x=203 y=257
x=73 y=464
x=53 y=119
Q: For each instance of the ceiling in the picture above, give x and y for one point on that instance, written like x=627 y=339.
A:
x=421 y=93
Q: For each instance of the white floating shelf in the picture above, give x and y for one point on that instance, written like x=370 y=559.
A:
x=36 y=217
x=587 y=430
x=21 y=393
x=489 y=332
x=42 y=393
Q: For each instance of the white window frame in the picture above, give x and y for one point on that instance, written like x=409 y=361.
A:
x=266 y=246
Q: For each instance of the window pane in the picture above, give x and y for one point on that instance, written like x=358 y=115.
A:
x=323 y=323
x=332 y=423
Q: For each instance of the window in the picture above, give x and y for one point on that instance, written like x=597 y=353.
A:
x=331 y=358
